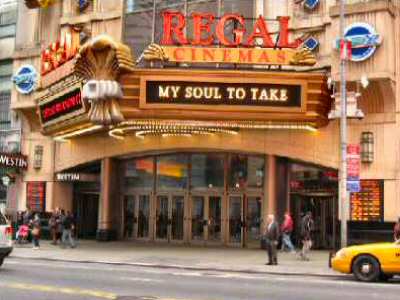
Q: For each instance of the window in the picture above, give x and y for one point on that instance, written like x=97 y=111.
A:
x=139 y=173
x=8 y=18
x=5 y=116
x=172 y=171
x=139 y=29
x=246 y=171
x=136 y=5
x=6 y=70
x=207 y=171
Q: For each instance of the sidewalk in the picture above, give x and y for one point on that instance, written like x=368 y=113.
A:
x=182 y=257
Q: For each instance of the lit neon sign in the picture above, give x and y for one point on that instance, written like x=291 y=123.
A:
x=211 y=42
x=59 y=52
x=175 y=24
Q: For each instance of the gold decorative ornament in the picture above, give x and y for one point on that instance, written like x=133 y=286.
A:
x=303 y=57
x=39 y=3
x=155 y=52
x=100 y=62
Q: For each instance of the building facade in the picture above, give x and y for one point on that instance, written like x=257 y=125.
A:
x=9 y=122
x=191 y=121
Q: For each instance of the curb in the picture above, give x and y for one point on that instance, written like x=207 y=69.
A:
x=179 y=267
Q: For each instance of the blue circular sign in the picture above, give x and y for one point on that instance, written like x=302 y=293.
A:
x=364 y=40
x=25 y=79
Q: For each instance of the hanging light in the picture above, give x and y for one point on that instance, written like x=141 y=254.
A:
x=38 y=157
x=367 y=147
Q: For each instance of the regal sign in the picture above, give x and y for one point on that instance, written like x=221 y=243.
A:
x=61 y=107
x=238 y=45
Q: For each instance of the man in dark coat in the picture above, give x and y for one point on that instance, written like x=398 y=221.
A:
x=272 y=236
x=396 y=230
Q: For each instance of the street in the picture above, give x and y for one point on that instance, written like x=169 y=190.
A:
x=23 y=279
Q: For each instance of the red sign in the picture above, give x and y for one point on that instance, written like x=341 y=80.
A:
x=208 y=30
x=63 y=106
x=59 y=52
x=353 y=161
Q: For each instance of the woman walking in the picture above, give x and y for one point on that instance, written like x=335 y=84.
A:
x=35 y=223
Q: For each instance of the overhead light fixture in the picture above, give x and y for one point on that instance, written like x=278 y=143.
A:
x=364 y=81
x=367 y=147
x=141 y=128
x=65 y=137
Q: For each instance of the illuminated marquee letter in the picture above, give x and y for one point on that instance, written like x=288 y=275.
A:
x=199 y=27
x=284 y=34
x=238 y=33
x=260 y=30
x=170 y=28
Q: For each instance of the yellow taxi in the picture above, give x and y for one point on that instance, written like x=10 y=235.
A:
x=370 y=262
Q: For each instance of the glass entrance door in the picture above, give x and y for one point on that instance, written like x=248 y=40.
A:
x=214 y=219
x=253 y=221
x=136 y=216
x=177 y=216
x=162 y=217
x=235 y=219
x=170 y=217
x=245 y=220
x=198 y=218
x=206 y=219
x=143 y=217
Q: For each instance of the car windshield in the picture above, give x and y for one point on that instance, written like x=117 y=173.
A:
x=3 y=220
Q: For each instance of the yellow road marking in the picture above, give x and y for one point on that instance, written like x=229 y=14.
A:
x=61 y=290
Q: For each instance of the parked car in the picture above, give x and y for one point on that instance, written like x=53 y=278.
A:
x=5 y=238
x=370 y=262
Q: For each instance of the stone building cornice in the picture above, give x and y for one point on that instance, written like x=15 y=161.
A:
x=91 y=17
x=365 y=7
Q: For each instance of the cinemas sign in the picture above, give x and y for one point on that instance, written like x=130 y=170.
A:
x=212 y=42
x=258 y=96
x=62 y=107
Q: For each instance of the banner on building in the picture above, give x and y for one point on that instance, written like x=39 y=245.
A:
x=353 y=167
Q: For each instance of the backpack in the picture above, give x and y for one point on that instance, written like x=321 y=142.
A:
x=67 y=223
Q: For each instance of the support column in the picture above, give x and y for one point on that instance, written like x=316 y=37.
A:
x=271 y=185
x=105 y=231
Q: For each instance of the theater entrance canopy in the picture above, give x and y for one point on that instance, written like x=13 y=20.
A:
x=106 y=92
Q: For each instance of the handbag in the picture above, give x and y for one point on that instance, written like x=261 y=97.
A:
x=35 y=231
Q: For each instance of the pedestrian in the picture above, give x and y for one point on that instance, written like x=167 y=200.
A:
x=271 y=237
x=287 y=229
x=35 y=225
x=27 y=216
x=307 y=226
x=396 y=230
x=59 y=227
x=68 y=226
x=53 y=226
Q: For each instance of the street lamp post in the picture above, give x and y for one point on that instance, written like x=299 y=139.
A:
x=343 y=199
